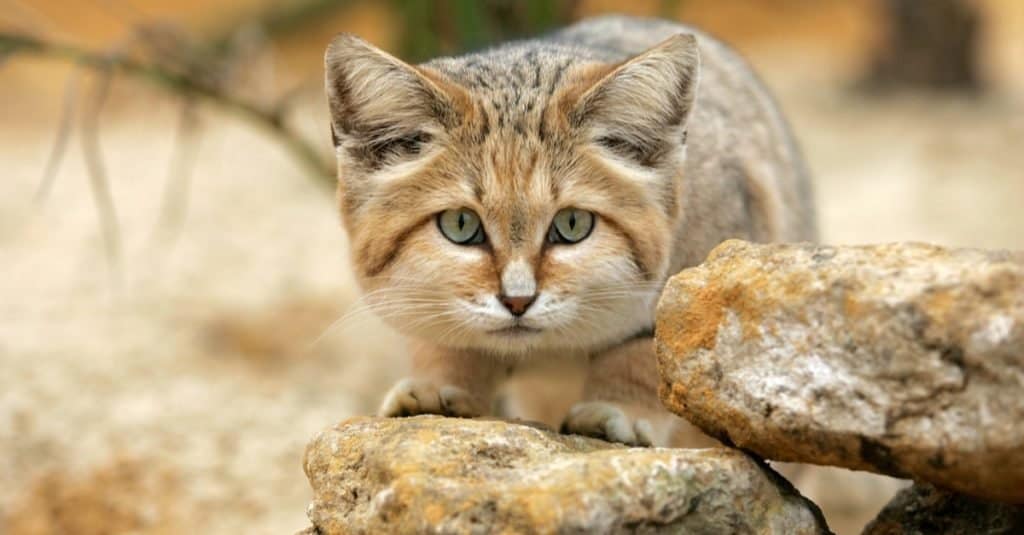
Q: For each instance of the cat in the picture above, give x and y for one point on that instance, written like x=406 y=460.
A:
x=526 y=204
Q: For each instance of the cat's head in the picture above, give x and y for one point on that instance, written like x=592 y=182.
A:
x=511 y=202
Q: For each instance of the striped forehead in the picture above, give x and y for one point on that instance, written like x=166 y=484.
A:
x=513 y=87
x=526 y=69
x=515 y=189
x=516 y=147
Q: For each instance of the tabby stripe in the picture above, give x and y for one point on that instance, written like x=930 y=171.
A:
x=397 y=244
x=634 y=250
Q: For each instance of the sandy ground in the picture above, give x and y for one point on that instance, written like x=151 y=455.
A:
x=178 y=397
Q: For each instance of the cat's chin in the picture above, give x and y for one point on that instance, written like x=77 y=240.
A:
x=525 y=338
x=520 y=342
x=513 y=341
x=515 y=331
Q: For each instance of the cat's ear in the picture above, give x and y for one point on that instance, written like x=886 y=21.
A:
x=640 y=108
x=381 y=106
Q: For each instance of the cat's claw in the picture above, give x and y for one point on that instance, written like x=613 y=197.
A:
x=599 y=419
x=410 y=397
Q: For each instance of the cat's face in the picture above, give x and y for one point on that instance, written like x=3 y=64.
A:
x=504 y=224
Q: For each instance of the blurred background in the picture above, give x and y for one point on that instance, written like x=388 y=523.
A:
x=177 y=317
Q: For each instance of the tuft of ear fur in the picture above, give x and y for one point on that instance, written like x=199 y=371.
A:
x=380 y=106
x=640 y=109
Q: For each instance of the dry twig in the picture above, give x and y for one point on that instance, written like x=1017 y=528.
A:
x=100 y=186
x=174 y=204
x=270 y=118
x=60 y=143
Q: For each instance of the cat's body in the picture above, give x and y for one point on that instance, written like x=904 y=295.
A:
x=588 y=165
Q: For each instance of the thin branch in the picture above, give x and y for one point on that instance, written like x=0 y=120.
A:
x=174 y=202
x=60 y=143
x=269 y=119
x=98 y=176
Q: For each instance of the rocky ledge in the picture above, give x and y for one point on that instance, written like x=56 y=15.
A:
x=923 y=509
x=443 y=475
x=902 y=359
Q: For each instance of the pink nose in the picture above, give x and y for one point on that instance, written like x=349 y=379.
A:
x=517 y=305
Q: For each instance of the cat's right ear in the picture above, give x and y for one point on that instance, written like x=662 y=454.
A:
x=382 y=107
x=640 y=108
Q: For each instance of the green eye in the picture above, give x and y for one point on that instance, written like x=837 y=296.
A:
x=461 y=226
x=571 y=225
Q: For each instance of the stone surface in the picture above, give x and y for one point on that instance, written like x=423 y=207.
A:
x=924 y=510
x=429 y=474
x=902 y=359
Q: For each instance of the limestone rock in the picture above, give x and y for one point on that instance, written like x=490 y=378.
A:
x=902 y=359
x=924 y=510
x=429 y=474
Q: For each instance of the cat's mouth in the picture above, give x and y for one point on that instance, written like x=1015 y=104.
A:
x=515 y=330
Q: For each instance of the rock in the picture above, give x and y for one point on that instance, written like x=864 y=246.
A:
x=903 y=359
x=924 y=510
x=429 y=474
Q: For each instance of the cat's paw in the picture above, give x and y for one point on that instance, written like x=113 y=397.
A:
x=600 y=419
x=411 y=396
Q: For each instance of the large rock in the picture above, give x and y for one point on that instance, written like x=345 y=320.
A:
x=902 y=359
x=438 y=475
x=924 y=510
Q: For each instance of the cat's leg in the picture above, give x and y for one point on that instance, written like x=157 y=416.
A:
x=620 y=398
x=444 y=381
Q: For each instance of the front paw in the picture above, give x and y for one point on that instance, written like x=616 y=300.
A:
x=599 y=419
x=410 y=397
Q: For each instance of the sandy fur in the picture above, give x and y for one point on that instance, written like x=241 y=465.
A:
x=660 y=132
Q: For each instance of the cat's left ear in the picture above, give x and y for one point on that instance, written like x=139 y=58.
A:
x=381 y=105
x=640 y=108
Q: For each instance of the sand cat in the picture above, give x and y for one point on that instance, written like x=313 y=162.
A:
x=526 y=203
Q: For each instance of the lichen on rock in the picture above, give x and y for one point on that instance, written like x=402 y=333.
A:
x=430 y=474
x=902 y=359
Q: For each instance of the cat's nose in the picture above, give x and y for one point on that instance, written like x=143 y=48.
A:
x=518 y=287
x=517 y=305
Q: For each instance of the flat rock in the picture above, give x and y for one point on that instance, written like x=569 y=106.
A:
x=925 y=510
x=901 y=359
x=430 y=474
